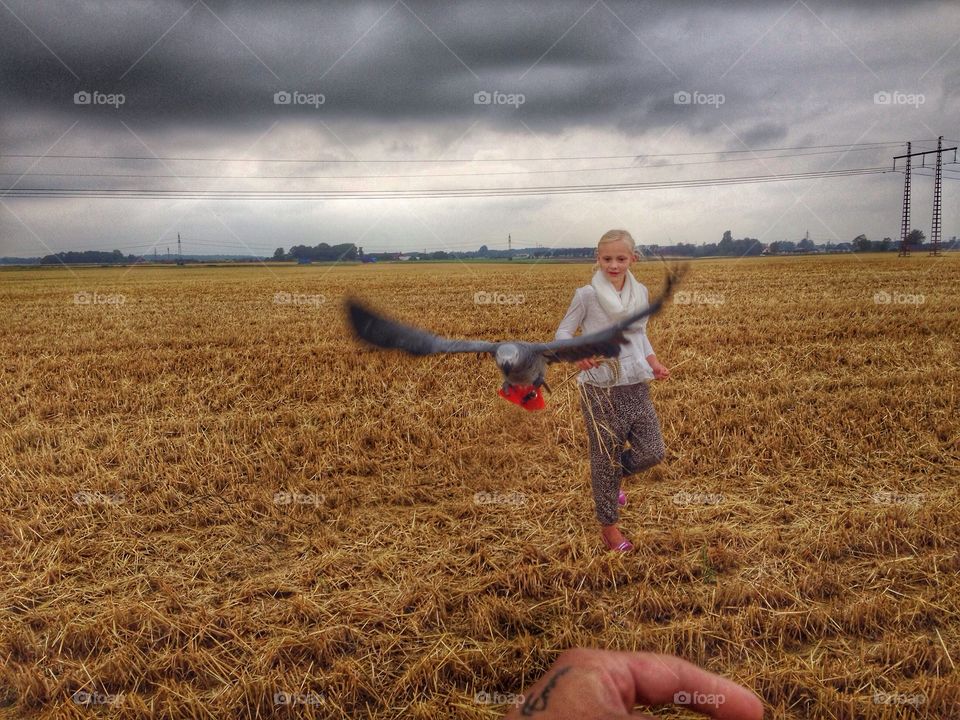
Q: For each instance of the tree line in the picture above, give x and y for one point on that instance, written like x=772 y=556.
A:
x=350 y=252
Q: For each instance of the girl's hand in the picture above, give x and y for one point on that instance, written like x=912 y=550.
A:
x=587 y=363
x=660 y=372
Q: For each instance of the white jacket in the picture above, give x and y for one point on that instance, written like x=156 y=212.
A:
x=586 y=313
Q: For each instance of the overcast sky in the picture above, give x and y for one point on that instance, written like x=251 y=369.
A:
x=647 y=83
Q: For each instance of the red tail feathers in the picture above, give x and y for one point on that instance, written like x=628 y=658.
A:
x=517 y=393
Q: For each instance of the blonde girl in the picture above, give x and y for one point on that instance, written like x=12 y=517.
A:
x=615 y=394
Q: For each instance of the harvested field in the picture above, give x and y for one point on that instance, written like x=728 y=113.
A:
x=211 y=496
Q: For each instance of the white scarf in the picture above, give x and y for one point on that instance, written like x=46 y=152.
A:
x=615 y=305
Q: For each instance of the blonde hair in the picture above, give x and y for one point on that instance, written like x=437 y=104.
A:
x=613 y=236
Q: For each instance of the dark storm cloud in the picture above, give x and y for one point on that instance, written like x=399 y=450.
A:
x=399 y=81
x=184 y=63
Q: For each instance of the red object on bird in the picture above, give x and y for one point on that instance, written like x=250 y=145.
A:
x=518 y=393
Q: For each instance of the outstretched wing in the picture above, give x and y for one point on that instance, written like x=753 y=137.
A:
x=607 y=342
x=385 y=333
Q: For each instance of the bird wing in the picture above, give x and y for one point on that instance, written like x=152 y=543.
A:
x=385 y=333
x=607 y=342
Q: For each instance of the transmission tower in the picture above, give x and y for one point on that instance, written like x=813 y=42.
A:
x=937 y=197
x=905 y=216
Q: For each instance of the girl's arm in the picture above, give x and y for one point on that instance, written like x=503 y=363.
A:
x=645 y=345
x=571 y=321
x=660 y=372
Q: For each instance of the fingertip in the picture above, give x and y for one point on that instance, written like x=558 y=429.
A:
x=659 y=678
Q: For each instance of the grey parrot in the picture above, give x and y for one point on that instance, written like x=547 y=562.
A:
x=523 y=364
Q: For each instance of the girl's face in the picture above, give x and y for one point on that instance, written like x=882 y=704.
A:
x=615 y=259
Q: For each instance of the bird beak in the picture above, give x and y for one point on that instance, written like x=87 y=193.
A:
x=507 y=367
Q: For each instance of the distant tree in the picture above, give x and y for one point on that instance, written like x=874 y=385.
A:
x=885 y=244
x=916 y=237
x=343 y=251
x=726 y=244
x=861 y=244
x=484 y=251
x=806 y=244
x=278 y=254
x=748 y=246
x=324 y=252
x=87 y=256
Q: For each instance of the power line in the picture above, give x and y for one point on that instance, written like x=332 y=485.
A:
x=427 y=175
x=154 y=158
x=434 y=193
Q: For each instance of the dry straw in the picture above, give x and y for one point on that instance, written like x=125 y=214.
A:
x=436 y=542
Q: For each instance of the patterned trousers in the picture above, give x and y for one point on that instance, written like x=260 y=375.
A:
x=615 y=415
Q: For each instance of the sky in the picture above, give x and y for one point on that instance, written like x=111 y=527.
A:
x=402 y=101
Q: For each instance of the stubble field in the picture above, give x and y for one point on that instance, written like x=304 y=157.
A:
x=216 y=505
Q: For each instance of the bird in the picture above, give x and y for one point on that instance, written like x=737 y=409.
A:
x=522 y=364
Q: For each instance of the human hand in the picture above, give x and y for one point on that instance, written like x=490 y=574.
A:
x=587 y=363
x=585 y=683
x=660 y=372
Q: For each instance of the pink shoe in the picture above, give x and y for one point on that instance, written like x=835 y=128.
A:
x=622 y=500
x=625 y=546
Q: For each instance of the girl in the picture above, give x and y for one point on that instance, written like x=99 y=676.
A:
x=614 y=394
